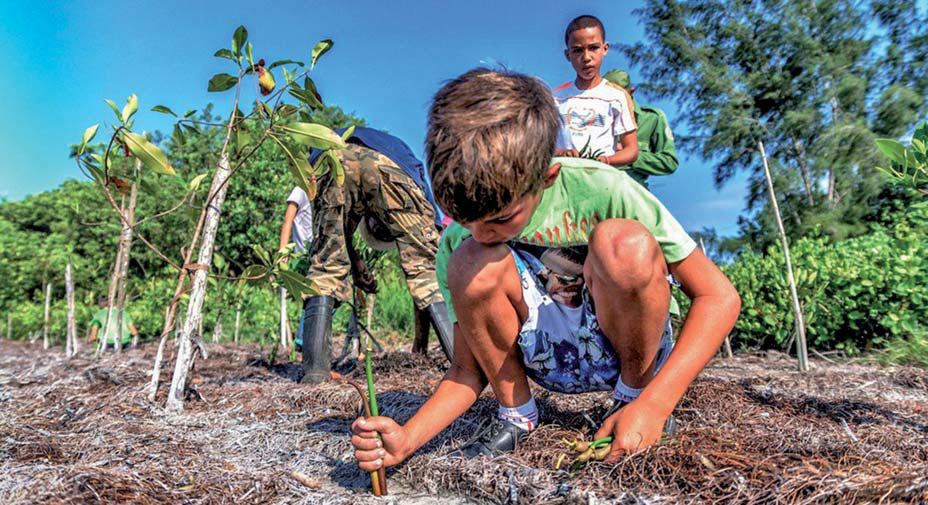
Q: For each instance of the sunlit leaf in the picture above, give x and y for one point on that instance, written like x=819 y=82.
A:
x=132 y=105
x=248 y=57
x=284 y=62
x=222 y=82
x=115 y=109
x=301 y=171
x=348 y=133
x=315 y=135
x=238 y=40
x=89 y=134
x=163 y=110
x=242 y=137
x=149 y=154
x=337 y=167
x=892 y=149
x=195 y=182
x=225 y=53
x=321 y=48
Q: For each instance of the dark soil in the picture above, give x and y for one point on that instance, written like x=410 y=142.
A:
x=751 y=430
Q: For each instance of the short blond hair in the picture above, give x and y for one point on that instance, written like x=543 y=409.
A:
x=490 y=138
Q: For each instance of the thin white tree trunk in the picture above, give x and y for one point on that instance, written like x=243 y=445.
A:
x=801 y=349
x=238 y=315
x=185 y=350
x=71 y=347
x=111 y=293
x=125 y=244
x=48 y=303
x=217 y=329
x=283 y=318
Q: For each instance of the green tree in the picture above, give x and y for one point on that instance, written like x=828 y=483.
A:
x=802 y=76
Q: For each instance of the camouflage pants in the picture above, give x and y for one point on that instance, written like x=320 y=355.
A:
x=374 y=187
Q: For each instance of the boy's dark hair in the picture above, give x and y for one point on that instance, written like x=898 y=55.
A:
x=581 y=22
x=490 y=139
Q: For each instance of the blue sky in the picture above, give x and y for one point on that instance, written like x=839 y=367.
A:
x=63 y=58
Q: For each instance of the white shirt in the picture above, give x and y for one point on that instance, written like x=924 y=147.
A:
x=596 y=115
x=302 y=229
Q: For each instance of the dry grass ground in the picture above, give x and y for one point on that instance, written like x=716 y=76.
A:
x=752 y=430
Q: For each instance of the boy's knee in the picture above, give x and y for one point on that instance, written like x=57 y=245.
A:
x=476 y=271
x=624 y=253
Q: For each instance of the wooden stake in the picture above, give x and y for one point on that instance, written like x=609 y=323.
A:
x=801 y=349
x=238 y=315
x=48 y=301
x=71 y=347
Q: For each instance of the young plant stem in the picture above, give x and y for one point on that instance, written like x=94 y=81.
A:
x=374 y=411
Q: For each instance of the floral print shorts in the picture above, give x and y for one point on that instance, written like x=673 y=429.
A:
x=563 y=348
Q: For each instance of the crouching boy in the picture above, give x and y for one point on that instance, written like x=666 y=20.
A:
x=557 y=272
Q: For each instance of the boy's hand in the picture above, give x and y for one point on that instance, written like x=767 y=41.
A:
x=371 y=452
x=570 y=153
x=634 y=428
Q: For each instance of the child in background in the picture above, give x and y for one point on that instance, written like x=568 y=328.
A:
x=596 y=119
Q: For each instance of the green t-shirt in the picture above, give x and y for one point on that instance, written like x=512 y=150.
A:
x=110 y=334
x=585 y=193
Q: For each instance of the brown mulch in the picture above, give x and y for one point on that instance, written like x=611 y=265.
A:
x=752 y=430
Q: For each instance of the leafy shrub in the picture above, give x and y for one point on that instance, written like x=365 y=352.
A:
x=855 y=294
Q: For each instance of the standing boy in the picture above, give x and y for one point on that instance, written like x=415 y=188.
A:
x=385 y=194
x=656 y=152
x=596 y=118
x=489 y=145
x=298 y=225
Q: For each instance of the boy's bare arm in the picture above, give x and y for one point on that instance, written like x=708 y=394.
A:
x=712 y=315
x=287 y=227
x=627 y=153
x=456 y=392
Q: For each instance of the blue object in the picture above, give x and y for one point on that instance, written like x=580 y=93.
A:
x=395 y=149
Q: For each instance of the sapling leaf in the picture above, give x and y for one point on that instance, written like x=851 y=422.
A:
x=189 y=113
x=179 y=134
x=248 y=56
x=336 y=166
x=225 y=53
x=149 y=154
x=238 y=40
x=115 y=109
x=321 y=48
x=892 y=149
x=89 y=134
x=163 y=109
x=315 y=135
x=195 y=182
x=348 y=133
x=132 y=105
x=221 y=82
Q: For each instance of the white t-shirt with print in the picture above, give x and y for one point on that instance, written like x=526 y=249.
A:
x=302 y=230
x=597 y=115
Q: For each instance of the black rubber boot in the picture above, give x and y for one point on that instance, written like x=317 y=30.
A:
x=443 y=328
x=317 y=336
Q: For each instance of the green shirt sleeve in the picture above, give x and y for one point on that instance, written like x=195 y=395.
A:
x=656 y=152
x=451 y=238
